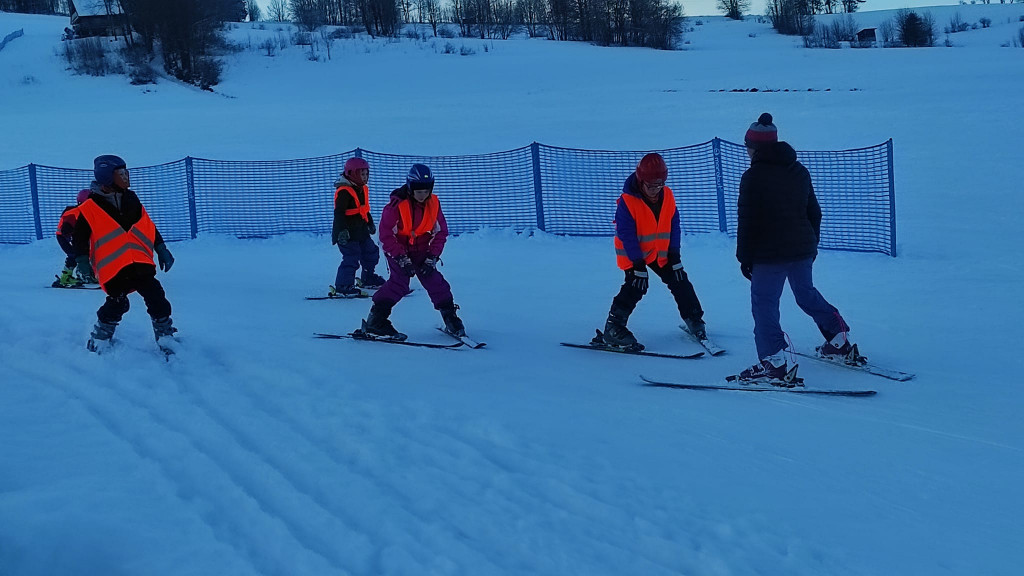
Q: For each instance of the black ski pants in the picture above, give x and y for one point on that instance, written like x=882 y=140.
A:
x=139 y=278
x=682 y=290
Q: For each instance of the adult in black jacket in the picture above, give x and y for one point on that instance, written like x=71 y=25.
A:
x=778 y=227
x=110 y=194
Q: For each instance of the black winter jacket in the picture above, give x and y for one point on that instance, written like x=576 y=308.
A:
x=129 y=213
x=358 y=228
x=779 y=219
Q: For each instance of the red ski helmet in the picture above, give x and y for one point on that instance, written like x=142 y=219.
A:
x=352 y=168
x=82 y=196
x=652 y=168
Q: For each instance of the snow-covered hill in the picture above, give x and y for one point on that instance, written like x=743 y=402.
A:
x=260 y=450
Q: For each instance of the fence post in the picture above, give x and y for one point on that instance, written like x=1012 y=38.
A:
x=359 y=153
x=190 y=184
x=537 y=189
x=716 y=148
x=892 y=201
x=34 y=187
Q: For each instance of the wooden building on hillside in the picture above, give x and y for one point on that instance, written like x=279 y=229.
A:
x=97 y=18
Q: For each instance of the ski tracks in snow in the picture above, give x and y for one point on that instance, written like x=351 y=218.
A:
x=384 y=494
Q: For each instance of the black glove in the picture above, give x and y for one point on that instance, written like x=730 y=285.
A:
x=406 y=265
x=637 y=279
x=371 y=227
x=747 y=270
x=163 y=256
x=428 y=267
x=677 y=271
x=343 y=237
x=85 y=269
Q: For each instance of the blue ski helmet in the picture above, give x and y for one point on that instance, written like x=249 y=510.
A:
x=104 y=166
x=420 y=178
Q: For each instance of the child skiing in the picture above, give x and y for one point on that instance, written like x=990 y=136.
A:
x=353 y=230
x=413 y=232
x=647 y=237
x=778 y=228
x=65 y=235
x=115 y=237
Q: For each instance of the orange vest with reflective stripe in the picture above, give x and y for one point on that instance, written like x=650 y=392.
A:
x=360 y=209
x=111 y=247
x=654 y=235
x=69 y=216
x=427 y=224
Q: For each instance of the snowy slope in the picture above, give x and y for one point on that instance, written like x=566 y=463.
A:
x=260 y=450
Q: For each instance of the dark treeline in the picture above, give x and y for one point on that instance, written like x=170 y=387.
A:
x=797 y=16
x=35 y=6
x=189 y=27
x=654 y=23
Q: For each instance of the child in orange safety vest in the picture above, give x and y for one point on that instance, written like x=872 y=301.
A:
x=647 y=238
x=65 y=233
x=353 y=232
x=115 y=241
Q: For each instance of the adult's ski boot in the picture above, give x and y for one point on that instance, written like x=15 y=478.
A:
x=841 y=349
x=773 y=370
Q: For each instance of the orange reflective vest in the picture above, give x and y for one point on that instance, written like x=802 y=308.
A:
x=68 y=217
x=427 y=225
x=361 y=209
x=111 y=247
x=654 y=235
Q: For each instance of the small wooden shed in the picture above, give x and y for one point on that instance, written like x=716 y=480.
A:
x=97 y=18
x=865 y=35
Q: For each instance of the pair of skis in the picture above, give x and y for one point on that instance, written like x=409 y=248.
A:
x=364 y=292
x=853 y=362
x=76 y=286
x=792 y=383
x=363 y=334
x=599 y=343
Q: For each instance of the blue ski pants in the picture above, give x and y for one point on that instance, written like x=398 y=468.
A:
x=353 y=255
x=766 y=284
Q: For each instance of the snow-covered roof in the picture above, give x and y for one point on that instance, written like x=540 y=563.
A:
x=95 y=7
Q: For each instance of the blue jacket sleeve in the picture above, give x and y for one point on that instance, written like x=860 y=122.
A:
x=674 y=241
x=625 y=229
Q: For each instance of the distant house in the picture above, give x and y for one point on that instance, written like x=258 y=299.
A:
x=865 y=35
x=97 y=18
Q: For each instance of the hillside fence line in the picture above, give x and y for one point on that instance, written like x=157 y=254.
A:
x=556 y=190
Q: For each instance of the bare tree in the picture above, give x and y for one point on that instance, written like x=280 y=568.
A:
x=277 y=10
x=252 y=8
x=531 y=13
x=308 y=14
x=380 y=17
x=430 y=10
x=505 y=21
x=791 y=16
x=561 y=20
x=851 y=6
x=735 y=8
x=188 y=32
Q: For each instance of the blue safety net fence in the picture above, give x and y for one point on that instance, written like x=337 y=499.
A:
x=557 y=190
